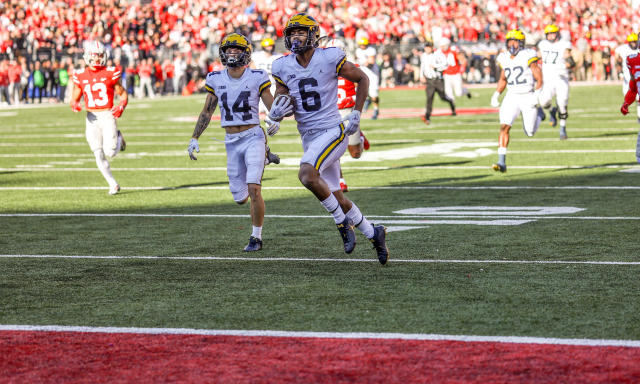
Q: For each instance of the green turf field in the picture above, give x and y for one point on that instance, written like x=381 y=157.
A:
x=560 y=201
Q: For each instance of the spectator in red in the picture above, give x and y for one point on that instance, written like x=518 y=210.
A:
x=15 y=71
x=144 y=71
x=169 y=71
x=4 y=81
x=158 y=77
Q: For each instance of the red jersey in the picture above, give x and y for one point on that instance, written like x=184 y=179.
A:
x=346 y=93
x=452 y=60
x=97 y=86
x=633 y=63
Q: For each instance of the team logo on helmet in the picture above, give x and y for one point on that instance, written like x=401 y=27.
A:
x=551 y=28
x=517 y=35
x=95 y=55
x=302 y=21
x=235 y=40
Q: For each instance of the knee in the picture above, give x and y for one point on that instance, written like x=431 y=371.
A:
x=306 y=175
x=110 y=152
x=240 y=196
x=254 y=191
x=563 y=115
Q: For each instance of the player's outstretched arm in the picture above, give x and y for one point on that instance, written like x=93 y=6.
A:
x=354 y=74
x=502 y=84
x=537 y=73
x=124 y=99
x=630 y=97
x=204 y=119
x=76 y=94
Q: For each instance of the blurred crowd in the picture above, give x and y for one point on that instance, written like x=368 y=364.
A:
x=166 y=47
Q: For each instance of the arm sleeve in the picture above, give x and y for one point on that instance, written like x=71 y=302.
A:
x=630 y=97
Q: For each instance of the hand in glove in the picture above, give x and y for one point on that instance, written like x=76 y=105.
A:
x=193 y=146
x=117 y=110
x=495 y=102
x=281 y=107
x=272 y=126
x=353 y=122
x=76 y=106
x=624 y=109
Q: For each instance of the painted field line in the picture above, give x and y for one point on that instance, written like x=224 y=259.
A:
x=404 y=218
x=545 y=139
x=319 y=260
x=182 y=153
x=326 y=335
x=50 y=168
x=426 y=187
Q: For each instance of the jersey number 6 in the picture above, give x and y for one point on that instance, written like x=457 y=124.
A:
x=305 y=94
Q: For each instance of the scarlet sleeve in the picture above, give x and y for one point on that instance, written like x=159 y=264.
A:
x=630 y=97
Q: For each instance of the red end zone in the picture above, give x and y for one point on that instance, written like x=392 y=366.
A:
x=28 y=356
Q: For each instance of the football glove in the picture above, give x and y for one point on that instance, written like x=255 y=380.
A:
x=117 y=111
x=495 y=102
x=280 y=108
x=353 y=122
x=76 y=106
x=624 y=109
x=272 y=126
x=193 y=146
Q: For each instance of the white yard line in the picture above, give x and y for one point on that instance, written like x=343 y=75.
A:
x=50 y=168
x=382 y=218
x=298 y=154
x=325 y=335
x=318 y=260
x=426 y=187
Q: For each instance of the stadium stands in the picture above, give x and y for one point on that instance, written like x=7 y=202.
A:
x=186 y=32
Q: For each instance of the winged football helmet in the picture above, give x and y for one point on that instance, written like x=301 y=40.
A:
x=95 y=55
x=517 y=35
x=632 y=40
x=552 y=28
x=302 y=21
x=235 y=40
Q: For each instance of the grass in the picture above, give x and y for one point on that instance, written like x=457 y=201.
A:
x=41 y=147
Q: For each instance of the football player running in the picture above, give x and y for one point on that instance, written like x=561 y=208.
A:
x=633 y=65
x=346 y=101
x=98 y=84
x=310 y=76
x=263 y=60
x=519 y=71
x=556 y=63
x=624 y=51
x=239 y=88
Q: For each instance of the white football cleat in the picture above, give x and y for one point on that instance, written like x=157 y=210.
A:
x=114 y=190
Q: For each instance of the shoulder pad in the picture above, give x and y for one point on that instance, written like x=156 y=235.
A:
x=111 y=68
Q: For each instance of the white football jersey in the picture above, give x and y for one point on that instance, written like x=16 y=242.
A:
x=263 y=61
x=517 y=71
x=625 y=51
x=314 y=88
x=238 y=98
x=553 y=60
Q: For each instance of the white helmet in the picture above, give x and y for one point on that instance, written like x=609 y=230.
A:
x=95 y=55
x=337 y=43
